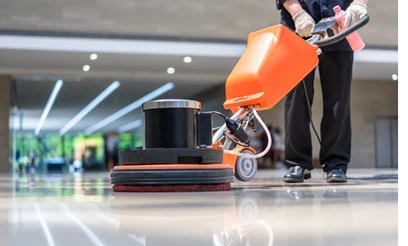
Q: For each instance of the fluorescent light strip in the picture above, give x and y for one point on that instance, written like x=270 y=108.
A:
x=81 y=225
x=48 y=106
x=44 y=226
x=161 y=90
x=111 y=88
x=110 y=220
x=139 y=240
x=130 y=126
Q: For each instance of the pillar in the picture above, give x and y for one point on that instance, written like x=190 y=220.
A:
x=4 y=123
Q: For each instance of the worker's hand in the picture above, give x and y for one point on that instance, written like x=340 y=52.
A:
x=354 y=13
x=336 y=29
x=304 y=23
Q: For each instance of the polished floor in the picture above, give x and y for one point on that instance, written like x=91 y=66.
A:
x=81 y=209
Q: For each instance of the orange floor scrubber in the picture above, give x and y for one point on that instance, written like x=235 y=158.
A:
x=183 y=152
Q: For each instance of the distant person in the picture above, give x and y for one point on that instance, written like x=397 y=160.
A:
x=256 y=141
x=278 y=148
x=20 y=165
x=32 y=162
x=18 y=155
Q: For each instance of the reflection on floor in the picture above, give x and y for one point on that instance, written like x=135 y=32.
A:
x=83 y=210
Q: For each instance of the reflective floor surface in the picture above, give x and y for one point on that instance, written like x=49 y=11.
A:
x=83 y=210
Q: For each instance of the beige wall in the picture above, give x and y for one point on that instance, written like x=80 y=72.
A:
x=4 y=123
x=369 y=99
x=179 y=18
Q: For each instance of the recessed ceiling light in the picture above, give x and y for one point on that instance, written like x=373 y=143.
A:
x=93 y=56
x=86 y=68
x=187 y=59
x=171 y=70
x=394 y=77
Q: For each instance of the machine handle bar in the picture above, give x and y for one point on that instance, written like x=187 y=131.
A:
x=340 y=36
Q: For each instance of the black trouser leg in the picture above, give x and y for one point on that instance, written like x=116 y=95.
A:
x=298 y=145
x=336 y=74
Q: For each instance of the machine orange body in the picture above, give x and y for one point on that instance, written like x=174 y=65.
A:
x=274 y=62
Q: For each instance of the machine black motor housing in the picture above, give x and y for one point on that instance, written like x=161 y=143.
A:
x=171 y=123
x=175 y=132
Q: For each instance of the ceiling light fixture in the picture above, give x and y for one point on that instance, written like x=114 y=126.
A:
x=48 y=106
x=86 y=68
x=171 y=70
x=102 y=96
x=187 y=59
x=130 y=126
x=93 y=56
x=159 y=91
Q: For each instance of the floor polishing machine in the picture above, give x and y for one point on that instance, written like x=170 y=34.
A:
x=184 y=152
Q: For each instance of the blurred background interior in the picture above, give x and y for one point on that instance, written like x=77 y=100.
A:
x=73 y=76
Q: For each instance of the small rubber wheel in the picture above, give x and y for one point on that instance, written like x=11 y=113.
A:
x=245 y=168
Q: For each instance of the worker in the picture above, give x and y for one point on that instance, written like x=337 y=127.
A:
x=335 y=68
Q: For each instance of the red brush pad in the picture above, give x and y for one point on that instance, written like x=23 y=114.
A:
x=171 y=188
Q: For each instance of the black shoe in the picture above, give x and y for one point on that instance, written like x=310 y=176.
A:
x=336 y=176
x=297 y=174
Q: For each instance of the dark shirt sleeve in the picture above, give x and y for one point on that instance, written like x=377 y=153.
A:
x=279 y=4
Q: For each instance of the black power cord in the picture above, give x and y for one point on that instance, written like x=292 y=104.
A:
x=310 y=112
x=235 y=141
x=219 y=114
x=235 y=129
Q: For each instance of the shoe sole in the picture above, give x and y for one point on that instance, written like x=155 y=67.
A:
x=336 y=181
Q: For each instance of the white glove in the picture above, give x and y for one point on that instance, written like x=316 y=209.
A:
x=354 y=13
x=304 y=23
